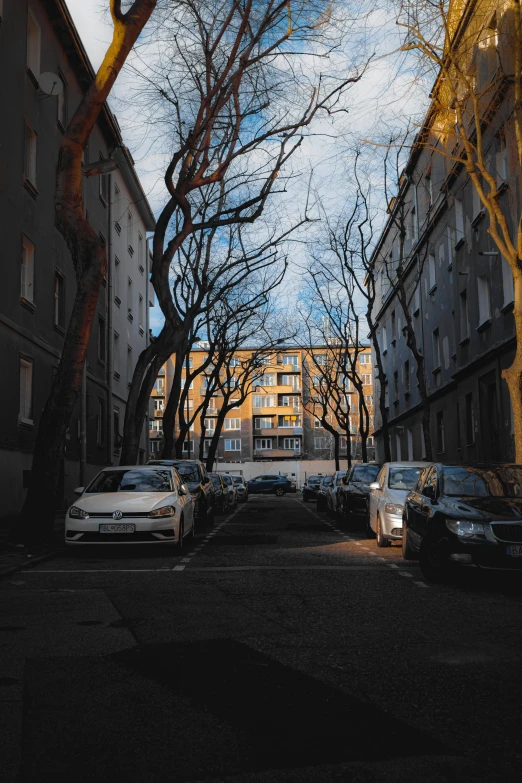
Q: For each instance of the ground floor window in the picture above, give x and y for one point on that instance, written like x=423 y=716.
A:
x=292 y=443
x=233 y=445
x=263 y=443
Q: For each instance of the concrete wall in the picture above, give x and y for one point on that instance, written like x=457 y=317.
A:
x=296 y=470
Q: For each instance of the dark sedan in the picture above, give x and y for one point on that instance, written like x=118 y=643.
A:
x=354 y=493
x=271 y=485
x=220 y=492
x=321 y=492
x=311 y=487
x=464 y=514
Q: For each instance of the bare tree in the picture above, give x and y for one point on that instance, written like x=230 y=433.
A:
x=235 y=110
x=90 y=264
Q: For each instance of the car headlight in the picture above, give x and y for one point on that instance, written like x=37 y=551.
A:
x=394 y=508
x=465 y=529
x=164 y=511
x=78 y=513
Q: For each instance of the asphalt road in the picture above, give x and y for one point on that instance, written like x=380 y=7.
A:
x=279 y=647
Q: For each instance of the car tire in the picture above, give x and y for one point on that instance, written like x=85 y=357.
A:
x=434 y=560
x=408 y=552
x=381 y=541
x=279 y=492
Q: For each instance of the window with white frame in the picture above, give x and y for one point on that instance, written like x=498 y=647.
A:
x=233 y=445
x=384 y=339
x=26 y=390
x=188 y=445
x=432 y=274
x=159 y=384
x=264 y=444
x=264 y=401
x=154 y=446
x=30 y=154
x=234 y=362
x=156 y=425
x=232 y=424
x=365 y=358
x=33 y=44
x=288 y=421
x=318 y=424
x=210 y=426
x=290 y=380
x=484 y=299
x=293 y=444
x=264 y=423
x=320 y=359
x=317 y=379
x=291 y=358
x=159 y=404
x=27 y=270
x=233 y=382
x=324 y=442
x=507 y=283
x=141 y=312
x=366 y=380
x=268 y=379
x=343 y=442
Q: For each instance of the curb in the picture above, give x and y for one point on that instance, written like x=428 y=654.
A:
x=30 y=562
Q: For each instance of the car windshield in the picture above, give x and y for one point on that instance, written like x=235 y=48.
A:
x=132 y=481
x=365 y=473
x=315 y=479
x=216 y=481
x=482 y=482
x=327 y=481
x=227 y=480
x=238 y=479
x=188 y=473
x=403 y=477
x=339 y=477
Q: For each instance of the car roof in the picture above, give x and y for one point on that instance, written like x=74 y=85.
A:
x=137 y=467
x=406 y=464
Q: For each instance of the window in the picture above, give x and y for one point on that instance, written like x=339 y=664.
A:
x=432 y=279
x=33 y=45
x=365 y=358
x=264 y=444
x=159 y=385
x=26 y=390
x=100 y=422
x=507 y=283
x=159 y=405
x=368 y=398
x=62 y=108
x=268 y=379
x=463 y=313
x=415 y=301
x=232 y=424
x=414 y=225
x=30 y=155
x=459 y=220
x=291 y=358
x=320 y=359
x=293 y=444
x=290 y=380
x=264 y=401
x=232 y=382
x=264 y=423
x=470 y=419
x=210 y=426
x=154 y=447
x=156 y=425
x=184 y=383
x=436 y=349
x=59 y=300
x=366 y=380
x=116 y=355
x=484 y=300
x=325 y=442
x=27 y=270
x=317 y=424
x=288 y=421
x=441 y=446
x=234 y=362
x=406 y=377
x=316 y=380
x=233 y=445
x=188 y=445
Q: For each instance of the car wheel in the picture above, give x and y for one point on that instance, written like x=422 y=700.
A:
x=407 y=549
x=381 y=541
x=434 y=559
x=179 y=545
x=279 y=492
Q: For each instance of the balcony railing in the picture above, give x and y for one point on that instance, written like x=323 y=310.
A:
x=155 y=434
x=158 y=413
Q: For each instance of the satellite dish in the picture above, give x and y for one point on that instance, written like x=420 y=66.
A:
x=50 y=83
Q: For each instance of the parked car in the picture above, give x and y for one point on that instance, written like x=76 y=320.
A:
x=354 y=492
x=241 y=486
x=195 y=476
x=311 y=487
x=322 y=491
x=386 y=500
x=232 y=491
x=271 y=485
x=221 y=499
x=464 y=515
x=139 y=504
x=332 y=496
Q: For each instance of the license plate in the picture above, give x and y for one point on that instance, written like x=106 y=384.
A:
x=515 y=550
x=117 y=528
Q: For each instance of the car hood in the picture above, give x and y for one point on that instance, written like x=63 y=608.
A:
x=505 y=509
x=126 y=502
x=395 y=495
x=359 y=488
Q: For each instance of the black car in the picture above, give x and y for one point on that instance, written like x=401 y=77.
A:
x=241 y=487
x=311 y=487
x=354 y=492
x=321 y=492
x=464 y=514
x=194 y=474
x=271 y=485
x=220 y=492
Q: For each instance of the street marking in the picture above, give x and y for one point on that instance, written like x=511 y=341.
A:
x=405 y=573
x=420 y=584
x=179 y=568
x=392 y=565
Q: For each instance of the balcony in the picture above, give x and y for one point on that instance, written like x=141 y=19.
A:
x=272 y=432
x=271 y=453
x=158 y=413
x=155 y=434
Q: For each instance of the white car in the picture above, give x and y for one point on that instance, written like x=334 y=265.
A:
x=139 y=504
x=387 y=495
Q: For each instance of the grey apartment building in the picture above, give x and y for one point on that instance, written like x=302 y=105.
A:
x=460 y=298
x=38 y=280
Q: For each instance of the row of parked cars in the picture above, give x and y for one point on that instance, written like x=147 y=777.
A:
x=443 y=515
x=159 y=503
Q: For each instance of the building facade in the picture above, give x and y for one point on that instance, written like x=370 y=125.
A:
x=459 y=288
x=36 y=297
x=275 y=422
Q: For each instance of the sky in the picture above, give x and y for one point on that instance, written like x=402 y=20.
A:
x=384 y=95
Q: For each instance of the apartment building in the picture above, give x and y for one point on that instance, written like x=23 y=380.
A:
x=38 y=287
x=273 y=423
x=460 y=292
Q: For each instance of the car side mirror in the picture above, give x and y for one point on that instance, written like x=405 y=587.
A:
x=79 y=490
x=183 y=490
x=375 y=485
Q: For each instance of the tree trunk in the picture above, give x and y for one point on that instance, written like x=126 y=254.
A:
x=381 y=376
x=214 y=443
x=336 y=450
x=169 y=415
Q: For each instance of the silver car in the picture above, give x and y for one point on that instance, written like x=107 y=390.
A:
x=387 y=496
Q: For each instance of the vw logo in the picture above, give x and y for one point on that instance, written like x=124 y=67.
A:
x=117 y=515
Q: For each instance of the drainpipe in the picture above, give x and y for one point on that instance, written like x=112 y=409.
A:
x=110 y=338
x=83 y=426
x=147 y=329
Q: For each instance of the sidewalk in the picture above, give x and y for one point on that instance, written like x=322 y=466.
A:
x=14 y=557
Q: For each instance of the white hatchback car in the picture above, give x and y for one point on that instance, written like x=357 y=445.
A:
x=387 y=496
x=139 y=504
